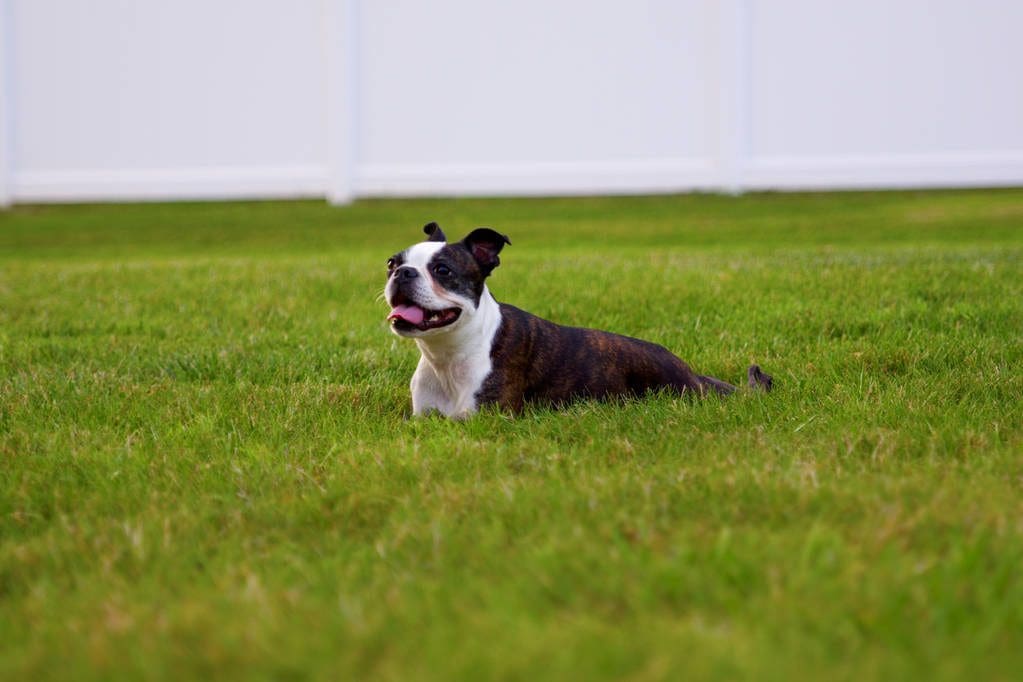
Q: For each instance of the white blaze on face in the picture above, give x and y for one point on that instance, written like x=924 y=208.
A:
x=419 y=255
x=421 y=292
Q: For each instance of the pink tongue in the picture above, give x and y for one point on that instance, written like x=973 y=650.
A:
x=410 y=313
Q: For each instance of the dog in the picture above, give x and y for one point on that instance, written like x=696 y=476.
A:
x=477 y=352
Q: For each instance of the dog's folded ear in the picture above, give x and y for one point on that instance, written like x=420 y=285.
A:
x=484 y=244
x=434 y=233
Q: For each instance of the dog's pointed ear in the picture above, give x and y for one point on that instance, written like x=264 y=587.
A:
x=484 y=244
x=433 y=231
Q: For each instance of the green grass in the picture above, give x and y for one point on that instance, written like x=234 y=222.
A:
x=207 y=466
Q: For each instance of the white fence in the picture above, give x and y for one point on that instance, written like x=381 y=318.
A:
x=148 y=99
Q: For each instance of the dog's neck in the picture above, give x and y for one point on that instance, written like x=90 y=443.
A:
x=470 y=341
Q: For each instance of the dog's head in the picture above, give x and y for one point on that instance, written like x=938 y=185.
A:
x=434 y=287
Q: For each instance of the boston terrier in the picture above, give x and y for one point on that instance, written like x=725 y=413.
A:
x=476 y=351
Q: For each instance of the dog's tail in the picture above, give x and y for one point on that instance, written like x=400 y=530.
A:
x=758 y=379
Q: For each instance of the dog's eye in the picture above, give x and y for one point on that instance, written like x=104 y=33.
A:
x=391 y=264
x=442 y=270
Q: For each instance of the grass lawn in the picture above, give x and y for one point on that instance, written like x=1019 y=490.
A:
x=207 y=466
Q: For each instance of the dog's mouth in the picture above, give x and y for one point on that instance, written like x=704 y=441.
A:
x=409 y=317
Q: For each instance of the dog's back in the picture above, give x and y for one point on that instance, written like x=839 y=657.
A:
x=535 y=360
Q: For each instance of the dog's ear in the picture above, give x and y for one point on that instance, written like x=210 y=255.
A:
x=433 y=231
x=484 y=244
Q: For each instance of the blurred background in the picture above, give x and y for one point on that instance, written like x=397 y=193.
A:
x=182 y=99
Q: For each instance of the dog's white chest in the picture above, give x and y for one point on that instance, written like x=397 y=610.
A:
x=450 y=389
x=452 y=368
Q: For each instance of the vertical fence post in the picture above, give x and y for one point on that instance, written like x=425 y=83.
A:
x=342 y=130
x=735 y=91
x=6 y=87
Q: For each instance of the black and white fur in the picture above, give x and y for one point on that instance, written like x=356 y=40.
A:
x=455 y=359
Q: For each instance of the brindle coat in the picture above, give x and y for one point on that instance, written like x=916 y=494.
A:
x=538 y=361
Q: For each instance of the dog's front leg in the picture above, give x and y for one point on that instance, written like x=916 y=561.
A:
x=427 y=394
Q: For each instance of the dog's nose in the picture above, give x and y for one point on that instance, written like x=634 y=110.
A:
x=406 y=272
